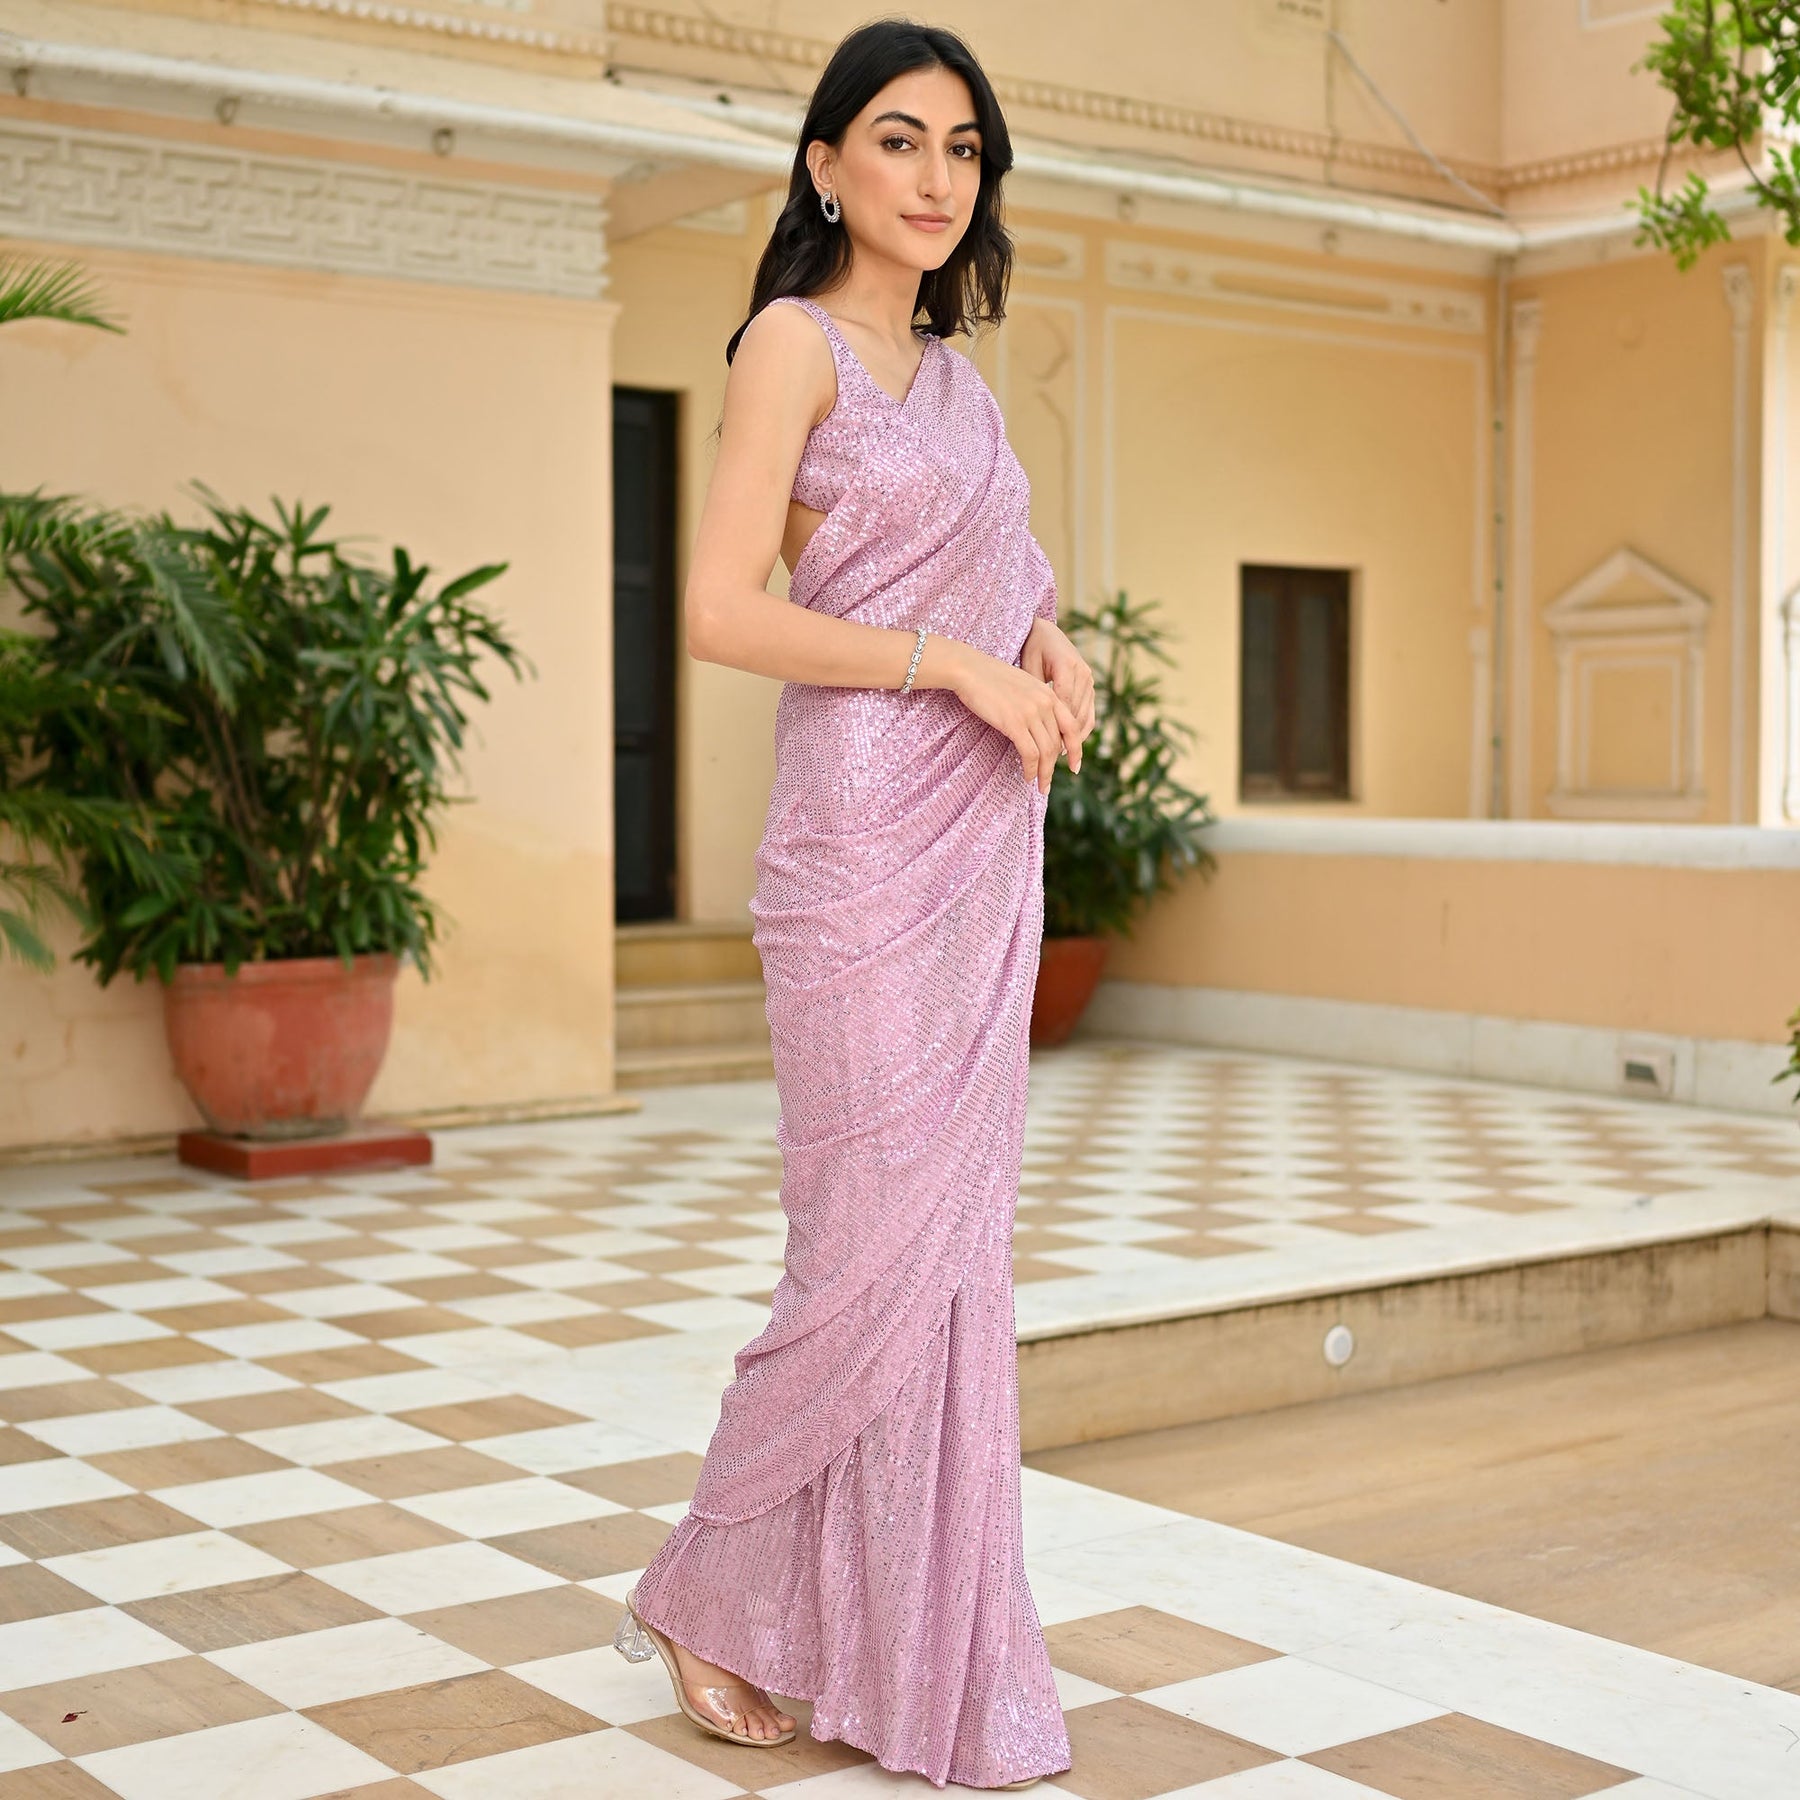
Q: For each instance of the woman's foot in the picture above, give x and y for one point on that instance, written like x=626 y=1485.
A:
x=735 y=1703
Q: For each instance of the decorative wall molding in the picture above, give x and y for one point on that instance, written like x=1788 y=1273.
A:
x=1740 y=297
x=1244 y=281
x=450 y=24
x=1038 y=250
x=1596 y=631
x=1790 y=663
x=1526 y=323
x=131 y=193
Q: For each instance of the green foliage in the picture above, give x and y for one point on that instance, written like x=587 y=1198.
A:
x=1792 y=1071
x=40 y=290
x=1732 y=68
x=1116 y=832
x=275 y=720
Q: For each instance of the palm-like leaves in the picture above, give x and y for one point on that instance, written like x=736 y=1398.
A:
x=40 y=290
x=283 y=718
x=1115 y=833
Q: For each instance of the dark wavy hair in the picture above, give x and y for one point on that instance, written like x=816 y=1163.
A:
x=806 y=252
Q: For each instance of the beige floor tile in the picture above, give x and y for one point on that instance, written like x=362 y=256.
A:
x=88 y=1713
x=412 y=1472
x=443 y=1722
x=219 y=1315
x=446 y=1290
x=597 y=1328
x=175 y=1465
x=589 y=1547
x=649 y=1481
x=344 y=1363
x=647 y=1290
x=1139 y=1647
x=54 y=1781
x=93 y=1525
x=760 y=1767
x=524 y=1627
x=397 y=1789
x=350 y=1534
x=21 y=1446
x=146 y=1353
x=402 y=1322
x=1129 y=1750
x=270 y=1411
x=249 y=1612
x=504 y=1414
x=60 y=1399
x=1457 y=1758
x=26 y=1307
x=30 y=1592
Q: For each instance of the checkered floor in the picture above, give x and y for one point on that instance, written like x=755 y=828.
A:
x=335 y=1487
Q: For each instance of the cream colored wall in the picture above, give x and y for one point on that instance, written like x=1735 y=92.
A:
x=1566 y=80
x=1633 y=446
x=1252 y=436
x=1705 y=953
x=470 y=427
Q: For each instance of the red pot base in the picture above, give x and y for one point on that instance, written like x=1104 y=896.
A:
x=262 y=1159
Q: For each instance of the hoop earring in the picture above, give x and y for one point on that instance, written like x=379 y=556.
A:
x=831 y=206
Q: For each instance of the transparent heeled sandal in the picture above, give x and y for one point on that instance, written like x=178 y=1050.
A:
x=638 y=1641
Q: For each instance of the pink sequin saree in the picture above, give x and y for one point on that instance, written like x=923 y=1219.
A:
x=854 y=1538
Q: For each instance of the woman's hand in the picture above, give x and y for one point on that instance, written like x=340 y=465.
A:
x=1051 y=656
x=1026 y=707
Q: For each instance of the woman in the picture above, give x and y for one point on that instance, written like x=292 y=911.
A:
x=854 y=1537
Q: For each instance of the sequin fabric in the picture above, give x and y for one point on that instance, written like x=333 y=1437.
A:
x=854 y=1536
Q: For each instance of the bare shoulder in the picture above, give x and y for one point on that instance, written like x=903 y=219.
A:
x=784 y=350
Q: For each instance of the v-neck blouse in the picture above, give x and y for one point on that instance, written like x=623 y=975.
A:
x=836 y=445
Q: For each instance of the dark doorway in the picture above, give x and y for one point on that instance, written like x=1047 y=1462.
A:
x=644 y=442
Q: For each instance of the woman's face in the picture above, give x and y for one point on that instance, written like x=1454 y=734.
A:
x=910 y=158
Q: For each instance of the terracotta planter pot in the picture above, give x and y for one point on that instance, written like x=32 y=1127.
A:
x=280 y=1049
x=1068 y=972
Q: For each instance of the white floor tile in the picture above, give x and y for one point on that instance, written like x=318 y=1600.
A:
x=156 y=1296
x=556 y=1449
x=21 y=1749
x=63 y=1646
x=170 y=1565
x=314 y=1668
x=278 y=1337
x=281 y=1757
x=600 y=1681
x=342 y=1300
x=254 y=1499
x=441 y=1575
x=496 y=1508
x=218 y=1378
x=1291 y=1705
x=1290 y=1781
x=86 y=1331
x=347 y=1439
x=119 y=1428
x=38 y=1368
x=57 y=1481
x=580 y=1768
x=410 y=1390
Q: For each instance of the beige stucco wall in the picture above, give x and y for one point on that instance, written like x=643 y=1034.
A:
x=1706 y=953
x=1632 y=445
x=470 y=427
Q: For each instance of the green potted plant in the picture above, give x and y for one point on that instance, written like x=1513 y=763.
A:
x=40 y=829
x=1116 y=833
x=279 y=719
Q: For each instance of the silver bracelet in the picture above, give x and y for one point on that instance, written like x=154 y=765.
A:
x=912 y=668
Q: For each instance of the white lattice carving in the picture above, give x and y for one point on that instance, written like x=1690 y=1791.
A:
x=90 y=187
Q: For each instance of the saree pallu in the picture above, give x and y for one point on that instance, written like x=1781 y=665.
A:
x=854 y=1537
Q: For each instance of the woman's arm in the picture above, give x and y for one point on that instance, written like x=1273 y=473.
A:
x=782 y=381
